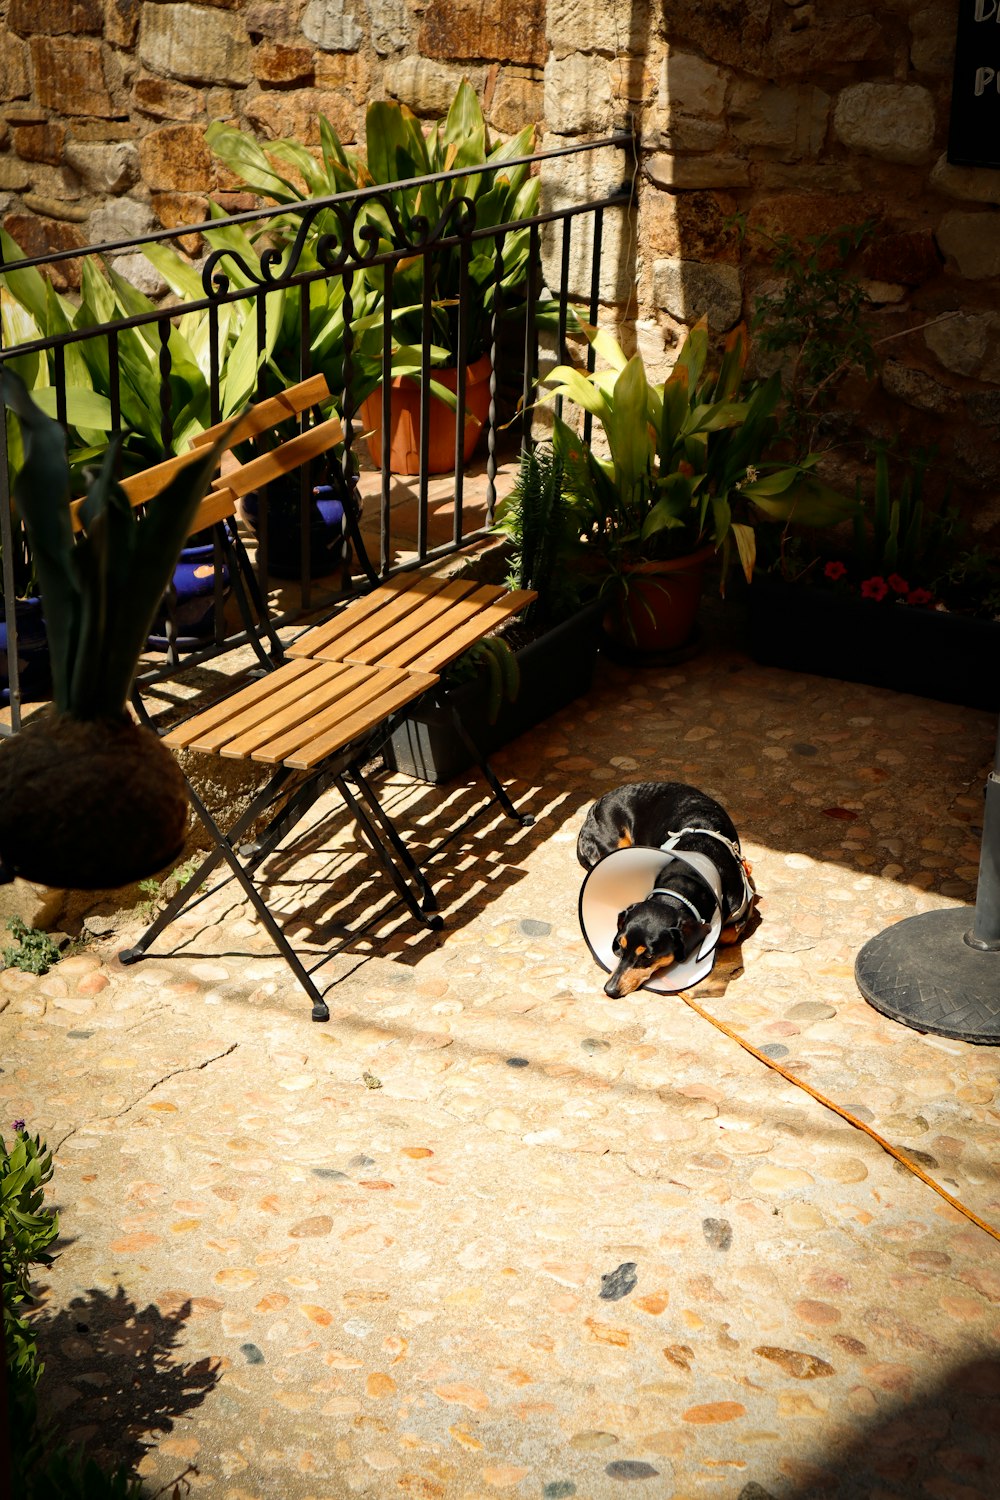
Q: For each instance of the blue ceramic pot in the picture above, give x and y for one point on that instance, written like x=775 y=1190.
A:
x=194 y=588
x=35 y=673
x=284 y=531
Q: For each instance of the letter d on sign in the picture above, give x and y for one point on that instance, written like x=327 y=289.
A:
x=986 y=9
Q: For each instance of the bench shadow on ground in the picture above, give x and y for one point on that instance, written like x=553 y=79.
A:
x=945 y=1443
x=113 y=1377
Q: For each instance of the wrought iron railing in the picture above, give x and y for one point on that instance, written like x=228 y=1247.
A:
x=342 y=249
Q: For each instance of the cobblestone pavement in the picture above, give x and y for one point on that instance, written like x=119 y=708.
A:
x=489 y=1233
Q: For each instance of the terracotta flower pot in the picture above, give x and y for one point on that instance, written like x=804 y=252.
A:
x=404 y=428
x=657 y=611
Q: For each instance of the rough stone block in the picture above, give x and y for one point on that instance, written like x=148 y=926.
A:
x=14 y=174
x=689 y=290
x=273 y=62
x=918 y=389
x=140 y=273
x=40 y=142
x=121 y=22
x=14 y=80
x=348 y=72
x=910 y=257
x=194 y=42
x=332 y=25
x=296 y=114
x=458 y=29
x=818 y=45
x=687 y=225
x=734 y=33
x=893 y=121
x=572 y=24
x=164 y=100
x=680 y=172
x=578 y=179
x=932 y=49
x=968 y=344
x=110 y=168
x=975 y=184
x=518 y=100
x=175 y=210
x=792 y=119
x=55 y=17
x=390 y=26
x=803 y=214
x=972 y=243
x=690 y=85
x=428 y=87
x=175 y=158
x=69 y=76
x=59 y=207
x=119 y=219
x=577 y=94
x=674 y=132
x=807 y=177
x=39 y=236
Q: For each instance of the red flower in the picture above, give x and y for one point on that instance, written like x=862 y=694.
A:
x=920 y=596
x=874 y=588
x=835 y=571
x=897 y=584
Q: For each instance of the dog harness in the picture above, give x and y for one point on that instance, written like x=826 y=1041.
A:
x=749 y=889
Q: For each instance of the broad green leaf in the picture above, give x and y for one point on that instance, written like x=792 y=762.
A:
x=29 y=286
x=244 y=156
x=84 y=407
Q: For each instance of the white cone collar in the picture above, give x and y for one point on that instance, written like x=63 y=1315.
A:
x=628 y=875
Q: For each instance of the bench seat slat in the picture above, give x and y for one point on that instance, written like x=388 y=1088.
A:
x=286 y=714
x=411 y=685
x=219 y=713
x=466 y=634
x=423 y=628
x=262 y=711
x=355 y=621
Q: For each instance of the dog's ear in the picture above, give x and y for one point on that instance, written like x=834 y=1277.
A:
x=689 y=937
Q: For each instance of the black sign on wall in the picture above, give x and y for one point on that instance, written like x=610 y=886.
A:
x=974 y=130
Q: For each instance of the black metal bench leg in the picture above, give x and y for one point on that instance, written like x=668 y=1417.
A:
x=496 y=787
x=248 y=592
x=428 y=900
x=370 y=831
x=224 y=850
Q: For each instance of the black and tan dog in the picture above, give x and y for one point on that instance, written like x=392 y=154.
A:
x=670 y=925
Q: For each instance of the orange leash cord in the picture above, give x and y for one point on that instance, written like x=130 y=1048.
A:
x=844 y=1114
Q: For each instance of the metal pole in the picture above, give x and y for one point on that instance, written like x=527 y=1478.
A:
x=985 y=934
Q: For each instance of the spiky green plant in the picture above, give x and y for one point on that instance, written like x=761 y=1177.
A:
x=100 y=589
x=543 y=524
x=88 y=798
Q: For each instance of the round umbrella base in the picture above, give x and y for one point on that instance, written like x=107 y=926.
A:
x=922 y=972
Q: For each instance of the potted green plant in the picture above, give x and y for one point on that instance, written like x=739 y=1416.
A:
x=89 y=798
x=684 y=475
x=397 y=148
x=901 y=600
x=543 y=659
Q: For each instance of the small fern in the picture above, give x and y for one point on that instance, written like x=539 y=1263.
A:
x=539 y=517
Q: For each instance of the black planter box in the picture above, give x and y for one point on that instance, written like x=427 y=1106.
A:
x=555 y=669
x=951 y=657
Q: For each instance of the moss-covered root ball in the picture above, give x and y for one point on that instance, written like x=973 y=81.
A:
x=89 y=804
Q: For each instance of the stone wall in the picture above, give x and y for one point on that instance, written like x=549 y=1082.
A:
x=802 y=116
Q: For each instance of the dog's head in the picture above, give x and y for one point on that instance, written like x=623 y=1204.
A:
x=652 y=935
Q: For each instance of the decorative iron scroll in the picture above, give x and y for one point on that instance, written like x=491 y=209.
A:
x=358 y=240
